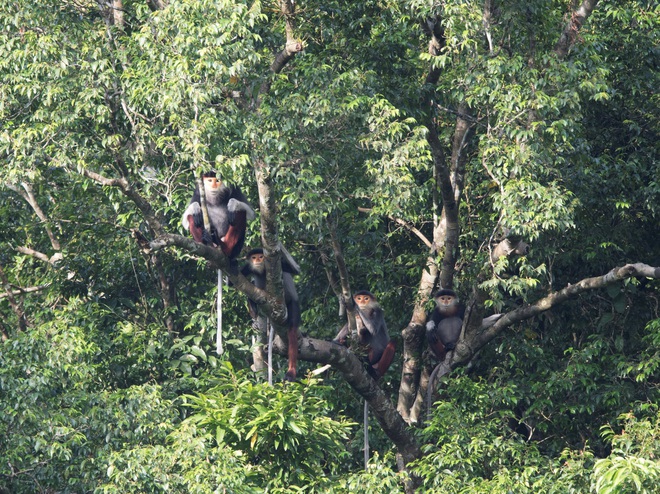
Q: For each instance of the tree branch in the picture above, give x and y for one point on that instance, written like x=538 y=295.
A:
x=21 y=291
x=16 y=306
x=572 y=29
x=353 y=371
x=406 y=225
x=291 y=47
x=150 y=216
x=27 y=193
x=52 y=260
x=489 y=328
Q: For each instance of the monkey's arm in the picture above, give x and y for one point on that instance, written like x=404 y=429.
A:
x=342 y=335
x=193 y=220
x=235 y=205
x=373 y=319
x=433 y=320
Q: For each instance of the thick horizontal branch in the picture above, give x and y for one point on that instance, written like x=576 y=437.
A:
x=571 y=291
x=217 y=260
x=52 y=260
x=492 y=326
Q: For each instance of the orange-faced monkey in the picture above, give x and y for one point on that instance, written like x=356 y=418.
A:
x=256 y=267
x=445 y=323
x=372 y=333
x=228 y=214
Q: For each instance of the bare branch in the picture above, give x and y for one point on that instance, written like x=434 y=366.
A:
x=16 y=306
x=571 y=291
x=40 y=255
x=27 y=193
x=291 y=47
x=150 y=216
x=216 y=258
x=21 y=291
x=406 y=225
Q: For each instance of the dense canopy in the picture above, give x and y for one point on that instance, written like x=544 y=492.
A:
x=505 y=150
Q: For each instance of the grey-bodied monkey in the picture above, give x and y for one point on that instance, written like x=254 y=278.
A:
x=444 y=325
x=372 y=333
x=228 y=211
x=256 y=267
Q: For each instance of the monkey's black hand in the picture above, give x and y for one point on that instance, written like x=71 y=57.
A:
x=431 y=335
x=207 y=238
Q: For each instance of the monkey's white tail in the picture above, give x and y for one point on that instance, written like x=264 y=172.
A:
x=271 y=337
x=218 y=335
x=366 y=435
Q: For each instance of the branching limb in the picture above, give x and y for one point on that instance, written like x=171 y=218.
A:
x=332 y=281
x=16 y=306
x=572 y=29
x=216 y=258
x=26 y=192
x=353 y=371
x=489 y=328
x=406 y=225
x=271 y=245
x=346 y=294
x=20 y=291
x=291 y=47
x=151 y=217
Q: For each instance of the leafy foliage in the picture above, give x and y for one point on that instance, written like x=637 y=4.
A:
x=285 y=430
x=632 y=466
x=109 y=380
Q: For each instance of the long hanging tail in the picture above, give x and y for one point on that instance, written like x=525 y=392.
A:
x=218 y=335
x=271 y=337
x=366 y=435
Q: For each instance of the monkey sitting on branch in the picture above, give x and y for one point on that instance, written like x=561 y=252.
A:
x=445 y=323
x=372 y=333
x=256 y=267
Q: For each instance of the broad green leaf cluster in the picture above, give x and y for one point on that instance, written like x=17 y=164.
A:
x=109 y=377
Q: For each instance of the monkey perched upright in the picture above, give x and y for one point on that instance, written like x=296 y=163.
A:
x=372 y=332
x=228 y=214
x=445 y=323
x=256 y=267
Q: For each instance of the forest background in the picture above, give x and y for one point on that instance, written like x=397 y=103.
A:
x=390 y=146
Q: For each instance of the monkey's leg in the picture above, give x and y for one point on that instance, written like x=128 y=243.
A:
x=386 y=359
x=292 y=336
x=232 y=243
x=436 y=345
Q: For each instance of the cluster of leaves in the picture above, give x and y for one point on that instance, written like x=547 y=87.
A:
x=562 y=152
x=633 y=464
x=288 y=435
x=60 y=419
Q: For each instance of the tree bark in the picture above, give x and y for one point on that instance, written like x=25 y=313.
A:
x=16 y=306
x=572 y=29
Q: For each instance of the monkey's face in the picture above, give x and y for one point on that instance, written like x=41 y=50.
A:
x=363 y=300
x=446 y=303
x=213 y=186
x=257 y=262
